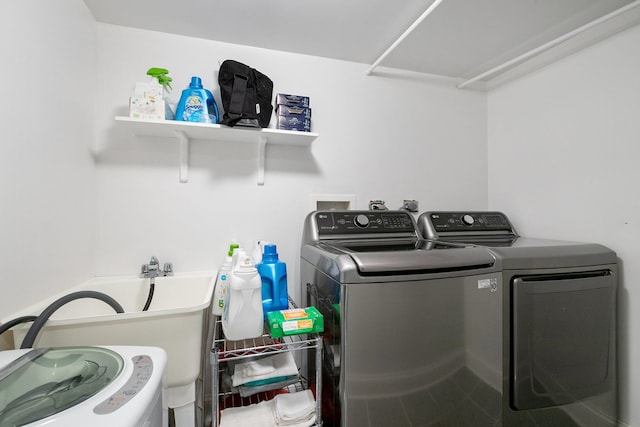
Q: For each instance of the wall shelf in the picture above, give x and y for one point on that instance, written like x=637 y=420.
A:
x=184 y=132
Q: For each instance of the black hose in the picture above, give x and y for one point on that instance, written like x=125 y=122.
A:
x=31 y=335
x=10 y=324
x=152 y=287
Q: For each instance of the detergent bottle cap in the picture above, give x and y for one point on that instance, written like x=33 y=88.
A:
x=270 y=253
x=245 y=265
x=161 y=75
x=232 y=247
x=196 y=83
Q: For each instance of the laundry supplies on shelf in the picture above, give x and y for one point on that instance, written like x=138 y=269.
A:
x=287 y=409
x=273 y=274
x=197 y=104
x=246 y=95
x=243 y=315
x=292 y=100
x=295 y=321
x=293 y=112
x=248 y=375
x=265 y=370
x=222 y=283
x=148 y=100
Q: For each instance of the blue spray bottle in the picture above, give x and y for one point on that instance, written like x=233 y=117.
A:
x=197 y=104
x=273 y=273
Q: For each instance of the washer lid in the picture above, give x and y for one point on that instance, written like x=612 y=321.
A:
x=46 y=381
x=411 y=257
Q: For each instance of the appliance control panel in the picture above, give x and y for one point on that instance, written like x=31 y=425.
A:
x=364 y=222
x=469 y=221
x=142 y=370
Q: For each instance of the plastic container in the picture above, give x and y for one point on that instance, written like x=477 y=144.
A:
x=222 y=283
x=243 y=316
x=295 y=321
x=197 y=104
x=273 y=275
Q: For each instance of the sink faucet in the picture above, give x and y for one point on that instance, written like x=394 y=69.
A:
x=152 y=270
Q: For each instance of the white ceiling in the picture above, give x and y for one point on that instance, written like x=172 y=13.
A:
x=459 y=39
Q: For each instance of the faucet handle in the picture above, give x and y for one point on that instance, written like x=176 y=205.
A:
x=154 y=261
x=144 y=270
x=168 y=269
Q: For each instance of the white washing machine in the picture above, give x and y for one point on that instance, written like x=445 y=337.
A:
x=83 y=386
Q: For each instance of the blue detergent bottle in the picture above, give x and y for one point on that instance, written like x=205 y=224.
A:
x=273 y=273
x=197 y=104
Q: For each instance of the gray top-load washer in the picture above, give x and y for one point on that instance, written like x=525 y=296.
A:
x=413 y=327
x=559 y=314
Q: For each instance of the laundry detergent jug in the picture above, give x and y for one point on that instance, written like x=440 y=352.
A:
x=243 y=315
x=197 y=104
x=273 y=274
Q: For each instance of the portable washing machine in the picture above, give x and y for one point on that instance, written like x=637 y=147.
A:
x=83 y=386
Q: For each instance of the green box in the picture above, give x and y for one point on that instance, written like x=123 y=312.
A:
x=295 y=321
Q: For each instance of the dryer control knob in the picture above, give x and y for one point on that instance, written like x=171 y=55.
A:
x=468 y=220
x=361 y=221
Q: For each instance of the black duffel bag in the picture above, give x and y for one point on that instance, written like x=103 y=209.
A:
x=246 y=95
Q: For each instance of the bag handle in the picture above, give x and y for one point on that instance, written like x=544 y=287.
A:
x=236 y=103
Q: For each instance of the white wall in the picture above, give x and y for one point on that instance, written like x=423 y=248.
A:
x=563 y=143
x=380 y=138
x=47 y=180
x=564 y=148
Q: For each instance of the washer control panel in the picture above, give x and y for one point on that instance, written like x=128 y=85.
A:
x=469 y=221
x=364 y=222
x=142 y=370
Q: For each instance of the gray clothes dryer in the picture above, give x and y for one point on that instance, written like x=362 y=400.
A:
x=559 y=321
x=413 y=327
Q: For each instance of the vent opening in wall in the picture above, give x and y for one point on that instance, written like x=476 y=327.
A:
x=325 y=202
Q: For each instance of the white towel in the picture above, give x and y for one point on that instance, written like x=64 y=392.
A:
x=307 y=423
x=263 y=414
x=256 y=415
x=294 y=408
x=278 y=365
x=259 y=367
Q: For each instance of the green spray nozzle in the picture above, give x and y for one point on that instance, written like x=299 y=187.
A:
x=161 y=75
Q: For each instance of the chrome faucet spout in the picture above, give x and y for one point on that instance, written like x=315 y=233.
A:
x=153 y=269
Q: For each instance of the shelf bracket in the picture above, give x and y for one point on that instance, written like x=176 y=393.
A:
x=183 y=142
x=262 y=147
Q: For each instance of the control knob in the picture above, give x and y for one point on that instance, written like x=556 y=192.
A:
x=361 y=221
x=468 y=219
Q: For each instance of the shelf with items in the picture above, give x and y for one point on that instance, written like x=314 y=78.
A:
x=225 y=353
x=184 y=132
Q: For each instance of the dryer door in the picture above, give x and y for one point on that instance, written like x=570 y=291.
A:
x=563 y=338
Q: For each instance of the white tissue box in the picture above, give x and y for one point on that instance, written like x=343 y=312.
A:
x=146 y=108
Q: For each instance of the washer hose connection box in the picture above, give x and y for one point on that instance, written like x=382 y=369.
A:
x=295 y=321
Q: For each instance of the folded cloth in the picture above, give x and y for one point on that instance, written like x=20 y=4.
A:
x=294 y=408
x=307 y=423
x=259 y=367
x=254 y=387
x=256 y=415
x=278 y=365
